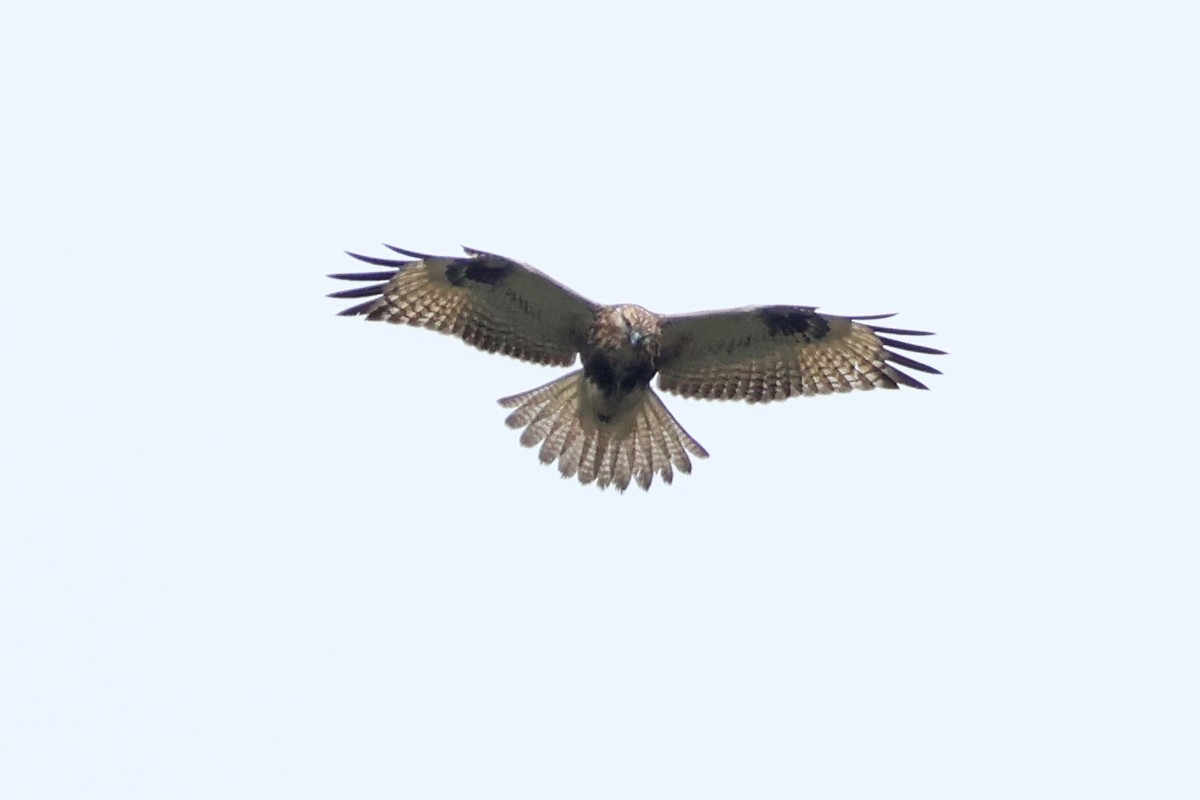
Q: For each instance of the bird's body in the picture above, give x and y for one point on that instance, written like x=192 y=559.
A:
x=604 y=422
x=620 y=358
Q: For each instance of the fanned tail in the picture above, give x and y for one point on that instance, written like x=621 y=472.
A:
x=644 y=441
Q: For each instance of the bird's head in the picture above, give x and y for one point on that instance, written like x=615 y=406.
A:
x=640 y=328
x=626 y=329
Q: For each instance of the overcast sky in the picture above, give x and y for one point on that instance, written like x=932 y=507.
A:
x=251 y=549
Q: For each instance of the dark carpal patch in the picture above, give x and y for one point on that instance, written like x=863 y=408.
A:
x=476 y=270
x=792 y=320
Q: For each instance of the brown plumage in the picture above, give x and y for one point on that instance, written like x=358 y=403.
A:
x=603 y=422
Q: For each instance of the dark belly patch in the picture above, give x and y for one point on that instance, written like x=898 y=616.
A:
x=612 y=381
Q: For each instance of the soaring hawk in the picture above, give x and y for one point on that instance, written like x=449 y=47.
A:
x=603 y=422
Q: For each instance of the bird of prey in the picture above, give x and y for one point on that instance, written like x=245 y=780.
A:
x=603 y=422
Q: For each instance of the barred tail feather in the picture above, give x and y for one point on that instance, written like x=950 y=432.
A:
x=646 y=441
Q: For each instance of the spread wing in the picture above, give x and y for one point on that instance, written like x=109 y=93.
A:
x=489 y=301
x=766 y=353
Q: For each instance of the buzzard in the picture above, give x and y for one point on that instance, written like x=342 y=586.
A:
x=603 y=422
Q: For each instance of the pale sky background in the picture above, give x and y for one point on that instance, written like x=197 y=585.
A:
x=251 y=549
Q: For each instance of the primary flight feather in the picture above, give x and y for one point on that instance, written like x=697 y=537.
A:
x=603 y=422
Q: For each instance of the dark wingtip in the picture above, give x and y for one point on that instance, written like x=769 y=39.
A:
x=912 y=348
x=362 y=276
x=409 y=253
x=905 y=361
x=907 y=380
x=358 y=310
x=361 y=291
x=380 y=262
x=900 y=331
